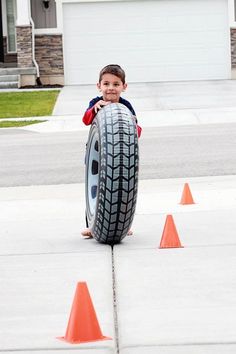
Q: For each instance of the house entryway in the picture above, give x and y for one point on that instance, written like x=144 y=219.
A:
x=1 y=36
x=8 y=79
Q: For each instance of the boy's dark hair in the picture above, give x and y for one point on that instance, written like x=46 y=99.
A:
x=113 y=69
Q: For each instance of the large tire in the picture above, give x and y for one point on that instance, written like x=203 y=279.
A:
x=111 y=183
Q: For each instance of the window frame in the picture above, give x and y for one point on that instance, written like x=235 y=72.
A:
x=232 y=13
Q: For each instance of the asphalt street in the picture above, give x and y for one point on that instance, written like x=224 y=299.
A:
x=30 y=158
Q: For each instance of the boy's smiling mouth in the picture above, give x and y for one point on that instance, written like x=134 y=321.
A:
x=111 y=94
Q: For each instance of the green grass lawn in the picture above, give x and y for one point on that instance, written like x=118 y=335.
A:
x=20 y=123
x=27 y=104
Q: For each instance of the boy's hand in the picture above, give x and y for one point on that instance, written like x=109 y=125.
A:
x=99 y=105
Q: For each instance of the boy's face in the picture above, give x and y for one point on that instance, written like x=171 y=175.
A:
x=111 y=87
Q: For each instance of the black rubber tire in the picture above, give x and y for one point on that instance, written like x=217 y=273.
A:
x=111 y=182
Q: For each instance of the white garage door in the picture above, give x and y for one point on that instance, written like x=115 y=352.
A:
x=162 y=40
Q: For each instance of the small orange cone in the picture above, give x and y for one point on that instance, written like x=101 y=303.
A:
x=186 y=195
x=83 y=325
x=170 y=238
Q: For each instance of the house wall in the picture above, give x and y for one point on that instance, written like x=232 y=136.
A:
x=24 y=46
x=49 y=56
x=43 y=18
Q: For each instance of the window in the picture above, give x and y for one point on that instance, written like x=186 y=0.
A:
x=11 y=30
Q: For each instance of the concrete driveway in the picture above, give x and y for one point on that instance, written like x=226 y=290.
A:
x=163 y=96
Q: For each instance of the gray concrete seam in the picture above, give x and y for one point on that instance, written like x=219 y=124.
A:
x=115 y=315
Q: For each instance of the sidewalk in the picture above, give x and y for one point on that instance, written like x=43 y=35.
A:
x=147 y=119
x=169 y=301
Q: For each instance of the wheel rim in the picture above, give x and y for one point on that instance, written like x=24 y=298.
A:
x=93 y=173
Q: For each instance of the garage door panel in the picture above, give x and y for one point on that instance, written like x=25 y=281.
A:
x=153 y=40
x=181 y=55
x=161 y=73
x=139 y=40
x=147 y=42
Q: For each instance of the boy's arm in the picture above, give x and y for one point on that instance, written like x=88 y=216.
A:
x=94 y=106
x=88 y=116
x=139 y=130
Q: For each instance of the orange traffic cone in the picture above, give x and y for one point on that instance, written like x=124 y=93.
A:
x=186 y=195
x=170 y=238
x=83 y=325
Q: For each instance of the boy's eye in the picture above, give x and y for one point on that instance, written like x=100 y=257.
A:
x=116 y=84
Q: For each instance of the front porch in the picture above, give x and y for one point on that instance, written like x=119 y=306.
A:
x=13 y=77
x=30 y=45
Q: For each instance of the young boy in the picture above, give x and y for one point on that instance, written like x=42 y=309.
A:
x=111 y=84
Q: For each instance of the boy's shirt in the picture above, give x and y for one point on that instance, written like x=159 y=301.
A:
x=90 y=113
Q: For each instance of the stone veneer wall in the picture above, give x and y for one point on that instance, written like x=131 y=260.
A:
x=233 y=48
x=49 y=56
x=24 y=46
